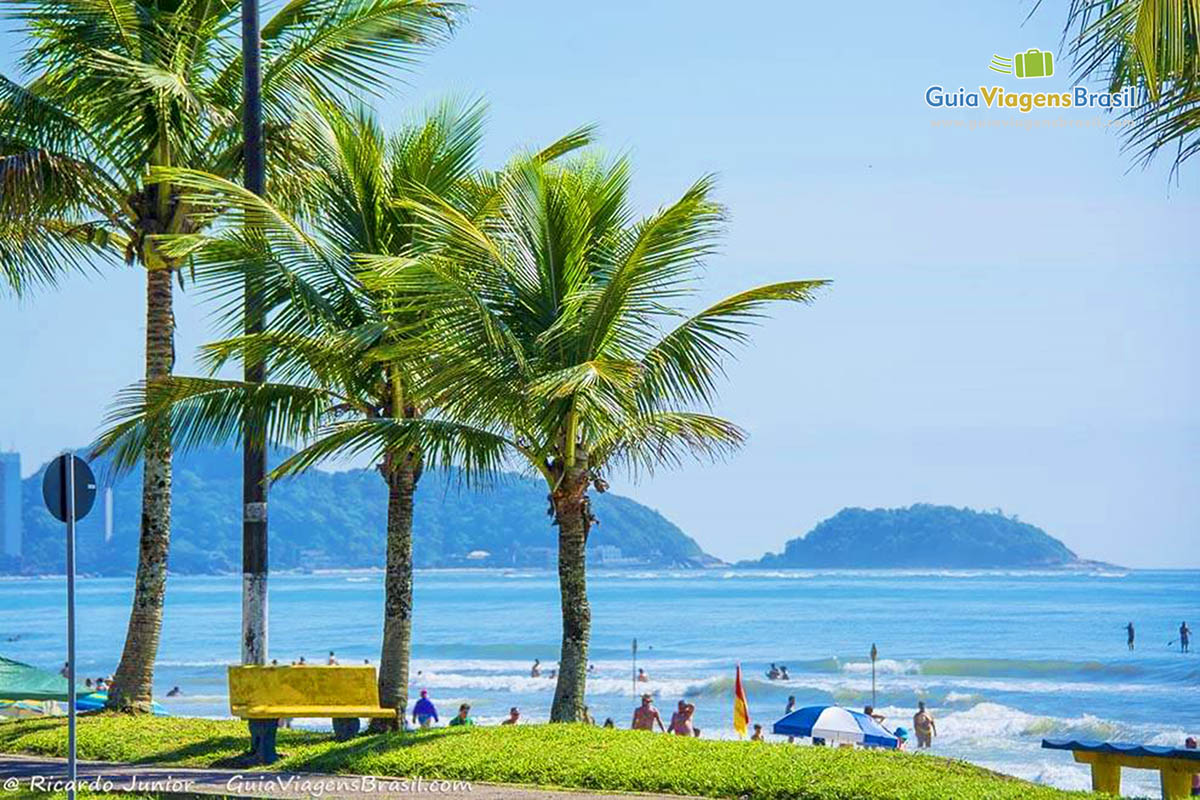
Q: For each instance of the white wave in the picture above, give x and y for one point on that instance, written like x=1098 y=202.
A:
x=961 y=697
x=884 y=666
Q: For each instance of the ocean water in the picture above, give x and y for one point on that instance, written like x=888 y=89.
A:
x=1003 y=659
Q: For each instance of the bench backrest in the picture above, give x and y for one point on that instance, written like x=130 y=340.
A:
x=302 y=686
x=1123 y=749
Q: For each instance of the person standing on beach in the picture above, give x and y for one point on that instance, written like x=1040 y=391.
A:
x=1184 y=637
x=463 y=717
x=646 y=716
x=1190 y=744
x=424 y=712
x=514 y=716
x=1129 y=631
x=681 y=720
x=924 y=726
x=332 y=659
x=757 y=736
x=791 y=706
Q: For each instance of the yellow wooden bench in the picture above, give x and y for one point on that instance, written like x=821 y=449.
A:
x=265 y=695
x=1175 y=765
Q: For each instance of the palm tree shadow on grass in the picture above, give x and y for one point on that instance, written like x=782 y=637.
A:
x=194 y=750
x=336 y=757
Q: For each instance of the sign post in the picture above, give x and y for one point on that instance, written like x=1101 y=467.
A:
x=69 y=489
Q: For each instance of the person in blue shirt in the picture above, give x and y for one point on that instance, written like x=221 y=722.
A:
x=424 y=714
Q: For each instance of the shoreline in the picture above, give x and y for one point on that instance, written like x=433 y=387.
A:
x=1089 y=569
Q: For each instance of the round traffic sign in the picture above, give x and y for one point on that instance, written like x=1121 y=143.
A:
x=55 y=482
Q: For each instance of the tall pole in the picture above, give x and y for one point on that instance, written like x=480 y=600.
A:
x=254 y=456
x=635 y=691
x=874 y=655
x=68 y=463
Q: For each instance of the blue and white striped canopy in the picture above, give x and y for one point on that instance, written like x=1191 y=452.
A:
x=835 y=725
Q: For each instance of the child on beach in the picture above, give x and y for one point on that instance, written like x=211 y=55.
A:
x=757 y=736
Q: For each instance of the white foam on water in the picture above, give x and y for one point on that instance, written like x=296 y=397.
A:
x=884 y=666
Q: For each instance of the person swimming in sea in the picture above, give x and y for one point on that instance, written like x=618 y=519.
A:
x=1185 y=634
x=783 y=673
x=642 y=676
x=175 y=692
x=1129 y=635
x=773 y=672
x=536 y=670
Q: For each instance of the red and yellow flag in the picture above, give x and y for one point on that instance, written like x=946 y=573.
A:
x=741 y=708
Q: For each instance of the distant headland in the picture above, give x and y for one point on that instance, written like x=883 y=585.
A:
x=923 y=535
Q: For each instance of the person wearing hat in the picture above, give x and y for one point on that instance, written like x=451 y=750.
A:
x=645 y=716
x=424 y=713
x=901 y=735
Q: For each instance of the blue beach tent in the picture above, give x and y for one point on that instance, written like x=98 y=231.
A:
x=836 y=725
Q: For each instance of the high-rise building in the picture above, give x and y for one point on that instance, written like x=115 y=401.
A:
x=10 y=503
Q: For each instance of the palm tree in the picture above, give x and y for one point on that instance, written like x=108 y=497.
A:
x=340 y=347
x=124 y=86
x=561 y=330
x=1152 y=45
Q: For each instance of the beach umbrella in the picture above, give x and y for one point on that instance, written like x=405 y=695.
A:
x=835 y=725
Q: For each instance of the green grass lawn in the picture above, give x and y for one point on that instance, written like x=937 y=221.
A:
x=567 y=756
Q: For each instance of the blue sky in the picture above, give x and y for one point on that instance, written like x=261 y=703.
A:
x=1012 y=322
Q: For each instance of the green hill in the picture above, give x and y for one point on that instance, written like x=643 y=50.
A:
x=921 y=536
x=326 y=520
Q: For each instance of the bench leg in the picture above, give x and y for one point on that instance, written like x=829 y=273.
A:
x=346 y=729
x=1176 y=784
x=262 y=740
x=1106 y=777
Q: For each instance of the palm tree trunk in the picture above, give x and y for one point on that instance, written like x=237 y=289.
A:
x=401 y=473
x=572 y=517
x=133 y=684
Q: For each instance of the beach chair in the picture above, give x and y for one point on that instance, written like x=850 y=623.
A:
x=264 y=695
x=1175 y=765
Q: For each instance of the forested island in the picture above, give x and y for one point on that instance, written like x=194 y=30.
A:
x=921 y=535
x=336 y=520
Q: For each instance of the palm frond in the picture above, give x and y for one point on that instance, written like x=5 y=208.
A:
x=196 y=412
x=480 y=453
